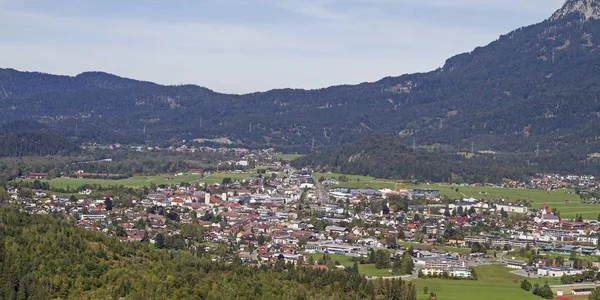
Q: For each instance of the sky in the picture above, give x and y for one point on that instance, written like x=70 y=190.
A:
x=243 y=46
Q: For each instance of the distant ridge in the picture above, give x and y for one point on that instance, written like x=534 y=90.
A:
x=539 y=84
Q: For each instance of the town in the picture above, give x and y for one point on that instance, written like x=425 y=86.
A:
x=279 y=213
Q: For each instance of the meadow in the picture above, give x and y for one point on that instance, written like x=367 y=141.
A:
x=365 y=269
x=495 y=283
x=141 y=181
x=288 y=156
x=564 y=200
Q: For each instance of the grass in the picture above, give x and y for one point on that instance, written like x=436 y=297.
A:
x=288 y=156
x=357 y=181
x=439 y=247
x=555 y=199
x=495 y=283
x=366 y=269
x=141 y=181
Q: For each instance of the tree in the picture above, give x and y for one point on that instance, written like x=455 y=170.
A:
x=402 y=237
x=503 y=213
x=573 y=255
x=425 y=290
x=73 y=199
x=385 y=209
x=407 y=264
x=145 y=238
x=4 y=195
x=108 y=204
x=526 y=285
x=447 y=212
x=397 y=265
x=595 y=295
x=559 y=261
x=159 y=241
x=390 y=240
x=477 y=248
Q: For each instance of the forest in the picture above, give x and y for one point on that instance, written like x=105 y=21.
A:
x=387 y=157
x=48 y=257
x=536 y=84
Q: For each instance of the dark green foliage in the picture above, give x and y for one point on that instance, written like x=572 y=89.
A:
x=526 y=285
x=386 y=157
x=544 y=291
x=45 y=257
x=108 y=204
x=35 y=143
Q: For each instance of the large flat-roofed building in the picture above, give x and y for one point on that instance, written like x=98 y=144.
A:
x=332 y=248
x=557 y=271
x=440 y=263
x=423 y=193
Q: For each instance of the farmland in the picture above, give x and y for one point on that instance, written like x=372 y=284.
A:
x=495 y=283
x=564 y=200
x=141 y=181
x=288 y=156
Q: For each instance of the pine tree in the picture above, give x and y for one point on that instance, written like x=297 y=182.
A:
x=397 y=266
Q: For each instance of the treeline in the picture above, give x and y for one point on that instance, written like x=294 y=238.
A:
x=47 y=257
x=386 y=157
x=125 y=163
x=35 y=143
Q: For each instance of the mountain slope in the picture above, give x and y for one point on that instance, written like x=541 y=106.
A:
x=537 y=84
x=386 y=157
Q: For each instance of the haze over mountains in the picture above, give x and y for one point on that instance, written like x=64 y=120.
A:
x=537 y=84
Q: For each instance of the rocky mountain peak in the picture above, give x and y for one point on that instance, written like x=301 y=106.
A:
x=587 y=9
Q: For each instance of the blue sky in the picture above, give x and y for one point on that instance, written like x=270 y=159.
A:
x=241 y=46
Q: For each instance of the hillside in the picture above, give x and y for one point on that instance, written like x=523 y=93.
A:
x=537 y=84
x=46 y=257
x=386 y=157
x=23 y=138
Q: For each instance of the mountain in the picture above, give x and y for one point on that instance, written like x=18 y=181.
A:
x=16 y=84
x=386 y=157
x=536 y=85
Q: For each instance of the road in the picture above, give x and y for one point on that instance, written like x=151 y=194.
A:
x=322 y=195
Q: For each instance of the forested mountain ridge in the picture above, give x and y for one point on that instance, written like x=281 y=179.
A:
x=537 y=84
x=14 y=83
x=386 y=157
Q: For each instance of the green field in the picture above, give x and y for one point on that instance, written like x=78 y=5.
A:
x=439 y=247
x=555 y=199
x=141 y=181
x=288 y=156
x=495 y=283
x=366 y=269
x=357 y=181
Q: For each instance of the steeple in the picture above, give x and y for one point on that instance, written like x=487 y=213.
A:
x=544 y=208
